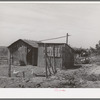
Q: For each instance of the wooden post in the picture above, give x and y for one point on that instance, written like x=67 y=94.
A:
x=64 y=56
x=12 y=59
x=27 y=56
x=54 y=66
x=67 y=38
x=48 y=65
x=67 y=35
x=23 y=74
x=9 y=62
x=32 y=56
x=46 y=60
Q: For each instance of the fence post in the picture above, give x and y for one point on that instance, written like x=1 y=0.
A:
x=54 y=66
x=9 y=63
x=23 y=74
x=46 y=60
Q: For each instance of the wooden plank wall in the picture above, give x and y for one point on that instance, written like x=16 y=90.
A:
x=68 y=57
x=56 y=61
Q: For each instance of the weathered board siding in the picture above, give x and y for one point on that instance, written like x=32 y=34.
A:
x=67 y=57
x=23 y=54
x=41 y=59
x=19 y=55
x=60 y=55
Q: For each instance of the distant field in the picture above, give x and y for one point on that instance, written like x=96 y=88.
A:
x=3 y=51
x=3 y=60
x=3 y=55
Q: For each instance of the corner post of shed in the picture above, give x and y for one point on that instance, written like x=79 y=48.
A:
x=27 y=55
x=54 y=64
x=65 y=55
x=46 y=60
x=9 y=62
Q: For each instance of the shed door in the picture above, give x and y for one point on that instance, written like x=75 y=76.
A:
x=32 y=57
x=35 y=57
x=29 y=57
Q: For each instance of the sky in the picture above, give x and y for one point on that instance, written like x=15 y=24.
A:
x=39 y=21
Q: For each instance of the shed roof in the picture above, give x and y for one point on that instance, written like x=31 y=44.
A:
x=31 y=43
x=56 y=44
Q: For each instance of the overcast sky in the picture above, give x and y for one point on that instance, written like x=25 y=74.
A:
x=37 y=21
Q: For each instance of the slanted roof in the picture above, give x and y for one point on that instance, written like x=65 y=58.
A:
x=57 y=44
x=28 y=42
x=31 y=42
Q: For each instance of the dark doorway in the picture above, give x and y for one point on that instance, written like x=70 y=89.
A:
x=32 y=57
x=29 y=57
x=35 y=56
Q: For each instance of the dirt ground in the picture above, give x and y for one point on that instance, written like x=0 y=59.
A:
x=81 y=76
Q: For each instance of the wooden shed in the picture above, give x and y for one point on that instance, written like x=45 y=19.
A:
x=55 y=54
x=24 y=52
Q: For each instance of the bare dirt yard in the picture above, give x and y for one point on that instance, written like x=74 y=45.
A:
x=81 y=76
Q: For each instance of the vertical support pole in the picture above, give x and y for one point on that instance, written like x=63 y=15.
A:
x=64 y=56
x=46 y=60
x=12 y=58
x=27 y=56
x=67 y=38
x=9 y=62
x=32 y=56
x=23 y=74
x=54 y=66
x=67 y=35
x=48 y=65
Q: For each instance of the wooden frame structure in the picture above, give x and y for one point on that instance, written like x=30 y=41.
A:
x=48 y=55
x=24 y=52
x=54 y=55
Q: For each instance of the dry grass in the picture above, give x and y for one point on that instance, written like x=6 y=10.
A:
x=19 y=82
x=73 y=78
x=82 y=76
